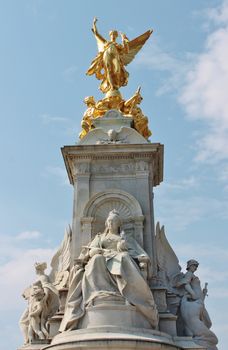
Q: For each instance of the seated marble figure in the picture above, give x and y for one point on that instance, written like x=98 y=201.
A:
x=108 y=269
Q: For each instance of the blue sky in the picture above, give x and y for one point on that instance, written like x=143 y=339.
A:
x=46 y=48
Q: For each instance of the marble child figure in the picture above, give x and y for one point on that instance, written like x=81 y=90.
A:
x=37 y=327
x=109 y=267
x=43 y=302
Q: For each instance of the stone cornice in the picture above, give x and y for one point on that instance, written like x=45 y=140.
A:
x=78 y=154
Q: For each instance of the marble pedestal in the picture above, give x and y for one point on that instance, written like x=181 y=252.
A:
x=115 y=315
x=54 y=321
x=117 y=338
x=37 y=344
x=118 y=326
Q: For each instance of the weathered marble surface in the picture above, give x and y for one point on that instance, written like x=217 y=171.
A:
x=121 y=284
x=43 y=296
x=43 y=302
x=114 y=337
x=114 y=176
x=108 y=272
x=113 y=128
x=188 y=296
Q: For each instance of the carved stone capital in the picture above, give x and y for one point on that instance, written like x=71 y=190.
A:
x=80 y=168
x=87 y=220
x=139 y=220
x=141 y=166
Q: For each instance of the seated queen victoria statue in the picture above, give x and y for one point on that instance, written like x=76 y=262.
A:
x=109 y=270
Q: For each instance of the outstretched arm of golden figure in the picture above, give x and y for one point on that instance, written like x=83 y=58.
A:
x=94 y=28
x=100 y=40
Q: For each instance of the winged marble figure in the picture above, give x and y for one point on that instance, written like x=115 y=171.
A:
x=169 y=270
x=60 y=262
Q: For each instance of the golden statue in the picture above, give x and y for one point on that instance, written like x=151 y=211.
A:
x=86 y=123
x=140 y=121
x=128 y=108
x=96 y=110
x=93 y=111
x=109 y=64
x=109 y=67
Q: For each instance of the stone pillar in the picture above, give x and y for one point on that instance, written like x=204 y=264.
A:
x=131 y=168
x=138 y=223
x=145 y=198
x=86 y=229
x=167 y=323
x=159 y=294
x=81 y=173
x=54 y=321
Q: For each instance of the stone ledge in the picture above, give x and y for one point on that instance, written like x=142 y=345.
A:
x=85 y=155
x=113 y=337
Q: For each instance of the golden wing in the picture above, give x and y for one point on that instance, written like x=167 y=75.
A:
x=134 y=47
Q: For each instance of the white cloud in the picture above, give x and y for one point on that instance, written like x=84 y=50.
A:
x=219 y=14
x=180 y=213
x=224 y=174
x=59 y=123
x=212 y=145
x=204 y=94
x=183 y=184
x=58 y=173
x=69 y=73
x=17 y=267
x=18 y=274
x=47 y=118
x=220 y=325
x=212 y=265
x=33 y=6
x=28 y=235
x=220 y=293
x=156 y=58
x=215 y=253
x=200 y=82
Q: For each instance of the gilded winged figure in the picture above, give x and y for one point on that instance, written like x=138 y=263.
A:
x=109 y=64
